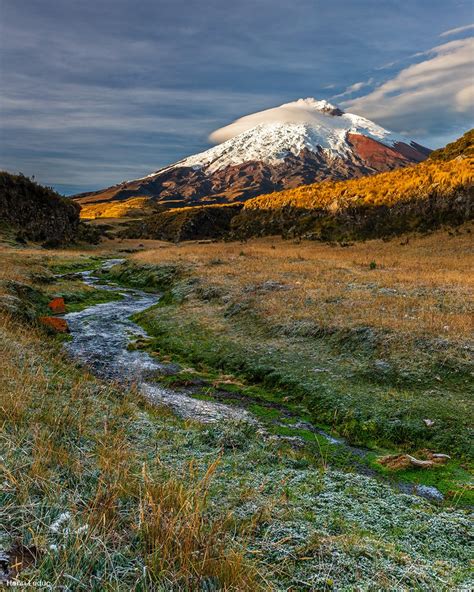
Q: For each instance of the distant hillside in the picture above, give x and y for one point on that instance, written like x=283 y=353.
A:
x=463 y=146
x=35 y=212
x=133 y=207
x=199 y=222
x=420 y=197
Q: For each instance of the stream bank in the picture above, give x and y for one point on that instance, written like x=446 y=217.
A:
x=102 y=336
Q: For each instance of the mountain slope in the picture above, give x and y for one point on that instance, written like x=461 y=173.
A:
x=35 y=212
x=463 y=146
x=298 y=143
x=420 y=197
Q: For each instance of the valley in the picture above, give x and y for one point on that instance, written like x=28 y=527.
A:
x=209 y=387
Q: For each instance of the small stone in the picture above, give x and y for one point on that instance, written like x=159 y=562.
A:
x=429 y=492
x=57 y=306
x=382 y=366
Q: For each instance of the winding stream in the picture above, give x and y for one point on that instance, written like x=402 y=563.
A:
x=101 y=335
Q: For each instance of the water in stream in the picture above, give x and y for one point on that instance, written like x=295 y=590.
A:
x=101 y=334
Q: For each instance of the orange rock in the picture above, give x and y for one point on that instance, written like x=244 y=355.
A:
x=57 y=325
x=57 y=305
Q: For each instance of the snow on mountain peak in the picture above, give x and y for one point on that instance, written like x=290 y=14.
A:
x=306 y=111
x=271 y=135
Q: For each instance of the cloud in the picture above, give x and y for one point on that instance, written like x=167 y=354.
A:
x=356 y=87
x=432 y=97
x=300 y=111
x=457 y=30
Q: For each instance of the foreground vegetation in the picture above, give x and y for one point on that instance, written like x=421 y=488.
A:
x=103 y=492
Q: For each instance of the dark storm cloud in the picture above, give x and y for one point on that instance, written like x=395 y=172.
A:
x=96 y=91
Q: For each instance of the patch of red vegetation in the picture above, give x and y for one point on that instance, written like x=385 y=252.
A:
x=57 y=306
x=55 y=324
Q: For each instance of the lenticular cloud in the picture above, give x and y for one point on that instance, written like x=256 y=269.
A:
x=301 y=111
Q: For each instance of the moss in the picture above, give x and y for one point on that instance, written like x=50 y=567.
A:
x=145 y=277
x=74 y=265
x=77 y=301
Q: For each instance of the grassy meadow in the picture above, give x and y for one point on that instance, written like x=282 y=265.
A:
x=101 y=491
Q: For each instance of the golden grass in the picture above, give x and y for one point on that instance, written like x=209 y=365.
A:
x=178 y=538
x=115 y=209
x=420 y=285
x=414 y=182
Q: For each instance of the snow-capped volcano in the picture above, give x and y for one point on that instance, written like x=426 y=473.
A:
x=297 y=143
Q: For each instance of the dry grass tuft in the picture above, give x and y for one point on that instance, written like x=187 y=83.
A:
x=181 y=543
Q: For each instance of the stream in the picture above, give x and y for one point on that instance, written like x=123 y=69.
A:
x=101 y=335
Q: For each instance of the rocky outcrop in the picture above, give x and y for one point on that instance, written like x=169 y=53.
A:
x=35 y=212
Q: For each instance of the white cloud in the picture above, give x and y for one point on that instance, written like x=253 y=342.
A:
x=300 y=111
x=457 y=30
x=357 y=86
x=432 y=97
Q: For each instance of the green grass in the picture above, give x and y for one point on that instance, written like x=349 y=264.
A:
x=351 y=396
x=373 y=407
x=81 y=299
x=75 y=264
x=454 y=479
x=379 y=410
x=150 y=278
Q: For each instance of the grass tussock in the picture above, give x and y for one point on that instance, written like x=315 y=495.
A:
x=179 y=539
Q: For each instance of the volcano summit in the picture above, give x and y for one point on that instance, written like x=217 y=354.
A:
x=295 y=144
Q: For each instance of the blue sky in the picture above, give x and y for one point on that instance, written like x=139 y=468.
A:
x=93 y=92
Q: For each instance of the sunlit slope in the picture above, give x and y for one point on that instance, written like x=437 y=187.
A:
x=463 y=146
x=416 y=182
x=134 y=206
x=421 y=197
